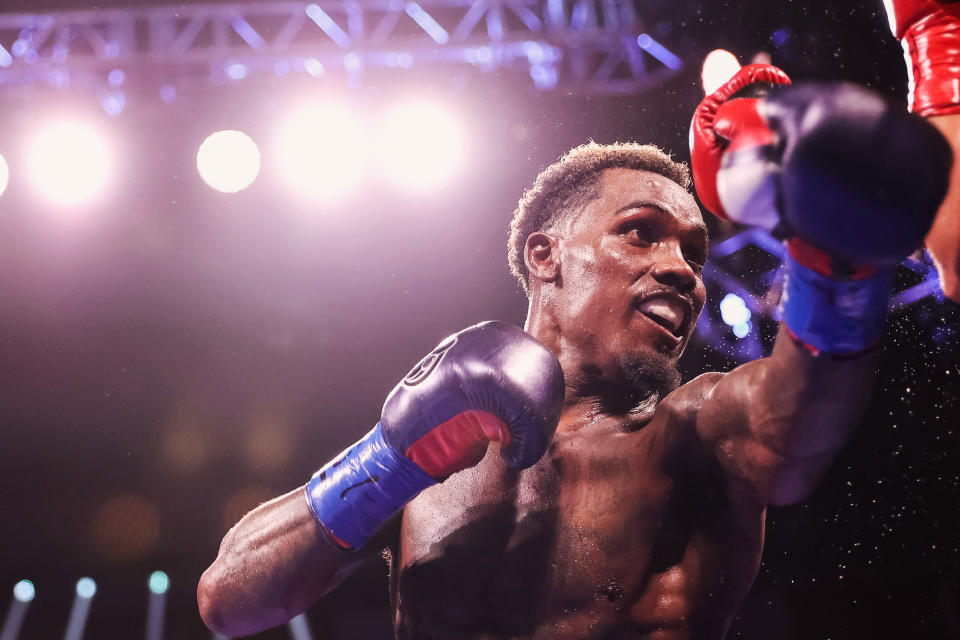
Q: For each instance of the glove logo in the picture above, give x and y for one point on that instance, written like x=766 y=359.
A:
x=423 y=368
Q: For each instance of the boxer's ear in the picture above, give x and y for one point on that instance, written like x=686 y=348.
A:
x=542 y=256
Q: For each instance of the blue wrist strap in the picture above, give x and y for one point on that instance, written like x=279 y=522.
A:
x=357 y=491
x=834 y=316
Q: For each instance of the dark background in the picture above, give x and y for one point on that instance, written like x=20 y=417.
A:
x=183 y=355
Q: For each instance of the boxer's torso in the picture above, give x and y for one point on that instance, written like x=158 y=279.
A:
x=617 y=532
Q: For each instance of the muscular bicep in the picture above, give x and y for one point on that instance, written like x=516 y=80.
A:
x=775 y=424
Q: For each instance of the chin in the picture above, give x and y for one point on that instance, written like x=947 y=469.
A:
x=650 y=372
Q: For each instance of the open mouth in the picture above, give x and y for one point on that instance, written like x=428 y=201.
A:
x=669 y=313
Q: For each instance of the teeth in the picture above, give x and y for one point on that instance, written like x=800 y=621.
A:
x=669 y=313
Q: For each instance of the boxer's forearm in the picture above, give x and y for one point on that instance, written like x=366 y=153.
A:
x=943 y=240
x=776 y=423
x=271 y=566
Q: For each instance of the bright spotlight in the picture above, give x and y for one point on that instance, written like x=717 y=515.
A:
x=420 y=145
x=322 y=151
x=228 y=161
x=718 y=67
x=4 y=175
x=733 y=310
x=69 y=163
x=24 y=591
x=86 y=588
x=742 y=329
x=158 y=582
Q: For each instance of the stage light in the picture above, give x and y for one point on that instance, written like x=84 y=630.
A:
x=228 y=161
x=742 y=329
x=77 y=622
x=733 y=310
x=4 y=175
x=69 y=163
x=718 y=67
x=321 y=151
x=159 y=582
x=658 y=51
x=86 y=588
x=420 y=145
x=24 y=591
x=156 y=605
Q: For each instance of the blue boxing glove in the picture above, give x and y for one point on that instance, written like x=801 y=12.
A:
x=492 y=382
x=850 y=178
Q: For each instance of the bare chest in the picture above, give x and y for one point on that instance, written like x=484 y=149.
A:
x=597 y=533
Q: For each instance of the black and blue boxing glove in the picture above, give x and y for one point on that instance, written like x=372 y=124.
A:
x=852 y=180
x=492 y=382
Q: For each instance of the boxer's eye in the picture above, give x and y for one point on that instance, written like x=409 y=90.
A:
x=695 y=259
x=639 y=232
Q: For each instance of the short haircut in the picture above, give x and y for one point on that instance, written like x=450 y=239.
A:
x=567 y=185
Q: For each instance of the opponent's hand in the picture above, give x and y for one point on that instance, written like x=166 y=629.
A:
x=836 y=164
x=929 y=31
x=852 y=180
x=492 y=382
x=728 y=119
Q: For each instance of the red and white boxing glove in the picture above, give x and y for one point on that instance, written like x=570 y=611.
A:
x=929 y=31
x=726 y=122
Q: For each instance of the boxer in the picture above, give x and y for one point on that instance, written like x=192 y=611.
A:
x=643 y=516
x=929 y=31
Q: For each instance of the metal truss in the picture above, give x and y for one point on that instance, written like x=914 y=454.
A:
x=748 y=264
x=597 y=46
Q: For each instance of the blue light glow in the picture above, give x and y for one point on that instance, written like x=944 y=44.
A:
x=24 y=591
x=534 y=51
x=328 y=26
x=116 y=77
x=780 y=36
x=742 y=329
x=159 y=582
x=733 y=310
x=86 y=588
x=168 y=93
x=658 y=51
x=248 y=33
x=427 y=23
x=544 y=76
x=237 y=71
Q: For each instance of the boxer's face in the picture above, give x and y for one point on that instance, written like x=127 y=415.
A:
x=631 y=288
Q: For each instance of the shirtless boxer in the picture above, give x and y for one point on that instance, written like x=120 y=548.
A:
x=644 y=517
x=929 y=31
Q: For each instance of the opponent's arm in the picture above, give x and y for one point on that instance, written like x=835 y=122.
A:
x=855 y=183
x=491 y=382
x=929 y=31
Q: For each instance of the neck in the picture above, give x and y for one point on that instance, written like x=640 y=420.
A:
x=590 y=396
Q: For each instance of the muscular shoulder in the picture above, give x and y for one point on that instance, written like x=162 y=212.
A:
x=686 y=400
x=677 y=413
